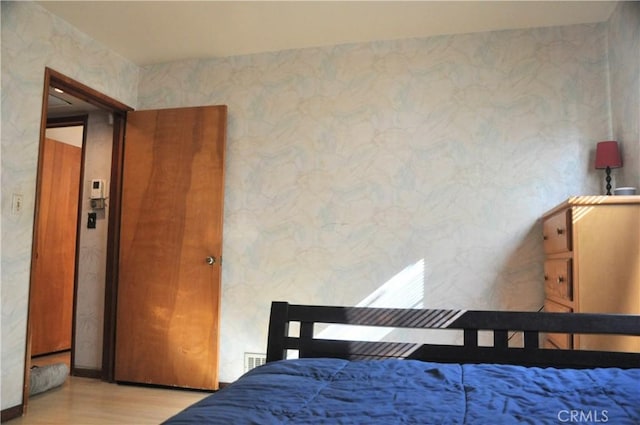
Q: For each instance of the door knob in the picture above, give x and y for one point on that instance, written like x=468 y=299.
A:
x=210 y=260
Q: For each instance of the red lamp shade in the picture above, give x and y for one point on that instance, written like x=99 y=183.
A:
x=608 y=155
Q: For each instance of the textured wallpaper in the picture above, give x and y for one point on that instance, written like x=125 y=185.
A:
x=401 y=173
x=349 y=165
x=624 y=59
x=93 y=247
x=31 y=40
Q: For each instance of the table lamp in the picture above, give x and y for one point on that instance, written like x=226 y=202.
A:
x=608 y=157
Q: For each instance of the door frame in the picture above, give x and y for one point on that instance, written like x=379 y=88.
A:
x=119 y=111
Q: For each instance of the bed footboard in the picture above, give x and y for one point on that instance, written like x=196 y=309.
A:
x=469 y=322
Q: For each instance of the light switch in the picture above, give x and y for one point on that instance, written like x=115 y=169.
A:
x=91 y=222
x=16 y=203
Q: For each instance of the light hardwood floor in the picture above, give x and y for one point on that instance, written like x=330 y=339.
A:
x=93 y=402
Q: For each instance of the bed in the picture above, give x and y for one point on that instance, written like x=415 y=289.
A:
x=344 y=381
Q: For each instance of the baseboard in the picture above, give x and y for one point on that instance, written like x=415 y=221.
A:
x=11 y=413
x=87 y=373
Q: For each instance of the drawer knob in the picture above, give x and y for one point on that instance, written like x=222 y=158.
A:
x=560 y=231
x=560 y=279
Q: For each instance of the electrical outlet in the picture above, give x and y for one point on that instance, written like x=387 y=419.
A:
x=16 y=203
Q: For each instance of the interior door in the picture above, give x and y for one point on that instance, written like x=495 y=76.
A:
x=167 y=328
x=54 y=272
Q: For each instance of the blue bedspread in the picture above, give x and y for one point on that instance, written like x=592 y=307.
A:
x=333 y=391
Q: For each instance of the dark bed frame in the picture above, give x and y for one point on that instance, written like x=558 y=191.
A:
x=470 y=322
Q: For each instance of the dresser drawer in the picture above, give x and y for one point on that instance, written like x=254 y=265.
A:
x=562 y=341
x=556 y=232
x=557 y=279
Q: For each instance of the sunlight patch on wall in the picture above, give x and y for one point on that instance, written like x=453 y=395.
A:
x=404 y=290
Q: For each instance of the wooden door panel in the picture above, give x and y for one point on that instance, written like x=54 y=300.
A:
x=168 y=296
x=54 y=273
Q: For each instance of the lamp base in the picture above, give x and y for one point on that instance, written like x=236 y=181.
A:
x=608 y=180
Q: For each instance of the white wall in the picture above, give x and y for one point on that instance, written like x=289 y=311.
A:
x=70 y=135
x=350 y=165
x=31 y=40
x=624 y=59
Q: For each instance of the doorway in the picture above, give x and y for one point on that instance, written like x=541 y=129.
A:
x=198 y=223
x=90 y=100
x=55 y=271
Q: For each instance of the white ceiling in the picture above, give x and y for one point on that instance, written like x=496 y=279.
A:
x=148 y=32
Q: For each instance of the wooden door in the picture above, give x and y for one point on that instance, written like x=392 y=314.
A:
x=171 y=223
x=54 y=272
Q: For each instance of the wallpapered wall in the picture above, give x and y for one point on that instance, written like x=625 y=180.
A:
x=93 y=247
x=624 y=60
x=31 y=40
x=416 y=166
x=348 y=165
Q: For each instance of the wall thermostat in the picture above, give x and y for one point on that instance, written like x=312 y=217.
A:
x=97 y=189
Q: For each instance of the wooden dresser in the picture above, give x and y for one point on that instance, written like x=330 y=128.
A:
x=592 y=264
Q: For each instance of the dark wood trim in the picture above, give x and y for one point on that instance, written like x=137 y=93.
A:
x=70 y=121
x=83 y=92
x=533 y=324
x=11 y=413
x=34 y=236
x=79 y=223
x=113 y=251
x=86 y=373
x=119 y=110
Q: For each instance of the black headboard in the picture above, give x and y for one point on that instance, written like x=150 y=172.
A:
x=470 y=322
